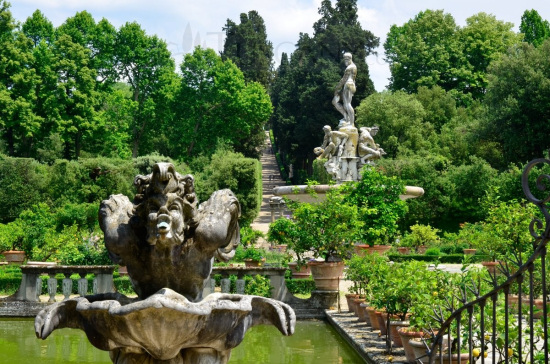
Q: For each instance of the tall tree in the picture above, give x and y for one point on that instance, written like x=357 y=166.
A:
x=518 y=104
x=76 y=93
x=534 y=28
x=215 y=105
x=425 y=51
x=306 y=84
x=484 y=39
x=247 y=46
x=146 y=64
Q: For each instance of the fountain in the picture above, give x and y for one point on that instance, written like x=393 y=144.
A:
x=346 y=151
x=168 y=243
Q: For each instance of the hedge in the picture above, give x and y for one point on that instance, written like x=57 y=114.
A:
x=449 y=258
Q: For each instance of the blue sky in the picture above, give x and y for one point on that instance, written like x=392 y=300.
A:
x=183 y=23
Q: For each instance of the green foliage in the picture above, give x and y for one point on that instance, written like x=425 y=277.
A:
x=250 y=237
x=247 y=46
x=214 y=104
x=363 y=271
x=421 y=235
x=517 y=107
x=300 y=286
x=535 y=30
x=327 y=228
x=251 y=253
x=23 y=183
x=241 y=175
x=379 y=205
x=257 y=286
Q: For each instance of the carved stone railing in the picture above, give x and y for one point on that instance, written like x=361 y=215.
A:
x=276 y=277
x=31 y=284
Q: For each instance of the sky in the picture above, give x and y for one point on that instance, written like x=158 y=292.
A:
x=184 y=24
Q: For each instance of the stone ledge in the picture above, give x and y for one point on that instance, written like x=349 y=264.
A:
x=364 y=339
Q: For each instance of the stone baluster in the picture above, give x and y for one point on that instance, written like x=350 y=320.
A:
x=240 y=286
x=52 y=287
x=83 y=285
x=226 y=285
x=67 y=286
x=38 y=288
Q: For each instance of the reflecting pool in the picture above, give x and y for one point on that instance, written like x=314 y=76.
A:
x=313 y=342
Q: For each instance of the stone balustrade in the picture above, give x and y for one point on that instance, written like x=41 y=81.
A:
x=31 y=284
x=276 y=277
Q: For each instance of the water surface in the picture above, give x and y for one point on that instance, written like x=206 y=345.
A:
x=313 y=342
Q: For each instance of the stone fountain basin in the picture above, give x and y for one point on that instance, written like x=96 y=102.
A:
x=166 y=323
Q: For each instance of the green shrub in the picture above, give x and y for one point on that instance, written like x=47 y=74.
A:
x=257 y=286
x=433 y=251
x=300 y=286
x=23 y=183
x=241 y=175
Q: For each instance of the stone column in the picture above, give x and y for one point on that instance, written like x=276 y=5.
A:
x=52 y=287
x=67 y=286
x=82 y=285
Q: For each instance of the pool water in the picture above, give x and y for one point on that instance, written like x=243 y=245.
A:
x=313 y=342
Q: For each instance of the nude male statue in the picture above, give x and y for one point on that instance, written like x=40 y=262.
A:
x=344 y=91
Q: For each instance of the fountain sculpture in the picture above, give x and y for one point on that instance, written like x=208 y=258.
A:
x=169 y=243
x=346 y=149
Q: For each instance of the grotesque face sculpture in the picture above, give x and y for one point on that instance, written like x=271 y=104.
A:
x=167 y=205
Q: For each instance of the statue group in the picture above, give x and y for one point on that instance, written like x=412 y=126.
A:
x=347 y=150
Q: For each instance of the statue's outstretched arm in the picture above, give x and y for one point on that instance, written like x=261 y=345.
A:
x=218 y=221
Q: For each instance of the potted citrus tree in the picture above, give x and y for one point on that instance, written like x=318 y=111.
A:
x=283 y=232
x=421 y=237
x=11 y=242
x=327 y=231
x=380 y=207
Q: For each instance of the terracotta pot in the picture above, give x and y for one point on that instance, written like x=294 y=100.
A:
x=394 y=335
x=371 y=311
x=492 y=267
x=349 y=299
x=381 y=322
x=464 y=357
x=281 y=248
x=378 y=249
x=14 y=256
x=404 y=250
x=419 y=350
x=249 y=263
x=538 y=304
x=406 y=335
x=356 y=302
x=360 y=249
x=363 y=314
x=303 y=272
x=469 y=251
x=327 y=275
x=361 y=311
x=421 y=249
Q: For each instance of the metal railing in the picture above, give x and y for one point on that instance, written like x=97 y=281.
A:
x=495 y=326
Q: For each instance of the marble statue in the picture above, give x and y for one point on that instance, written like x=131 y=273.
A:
x=168 y=243
x=367 y=149
x=345 y=90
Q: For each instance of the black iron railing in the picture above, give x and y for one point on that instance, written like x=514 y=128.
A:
x=495 y=326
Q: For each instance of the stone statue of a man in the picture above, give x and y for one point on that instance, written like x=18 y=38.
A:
x=344 y=91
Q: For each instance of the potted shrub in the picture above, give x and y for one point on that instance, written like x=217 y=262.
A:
x=11 y=242
x=421 y=237
x=327 y=230
x=253 y=257
x=283 y=232
x=378 y=198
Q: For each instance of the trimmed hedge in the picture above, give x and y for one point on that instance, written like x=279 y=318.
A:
x=449 y=258
x=300 y=286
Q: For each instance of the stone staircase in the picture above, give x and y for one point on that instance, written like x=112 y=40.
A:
x=271 y=178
